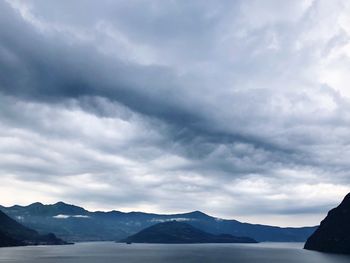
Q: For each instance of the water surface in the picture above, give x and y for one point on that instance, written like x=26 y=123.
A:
x=106 y=252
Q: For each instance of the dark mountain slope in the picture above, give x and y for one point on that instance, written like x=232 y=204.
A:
x=7 y=241
x=74 y=223
x=174 y=232
x=13 y=233
x=333 y=235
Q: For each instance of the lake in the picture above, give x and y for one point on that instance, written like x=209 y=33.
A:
x=105 y=252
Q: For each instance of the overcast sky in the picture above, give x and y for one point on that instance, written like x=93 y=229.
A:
x=240 y=109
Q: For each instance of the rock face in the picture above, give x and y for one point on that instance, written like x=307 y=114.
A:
x=13 y=233
x=74 y=223
x=333 y=235
x=174 y=232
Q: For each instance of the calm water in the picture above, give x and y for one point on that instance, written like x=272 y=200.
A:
x=106 y=252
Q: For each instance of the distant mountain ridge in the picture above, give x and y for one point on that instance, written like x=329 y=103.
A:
x=13 y=233
x=47 y=210
x=174 y=232
x=74 y=223
x=333 y=235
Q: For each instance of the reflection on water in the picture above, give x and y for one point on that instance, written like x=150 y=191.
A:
x=146 y=253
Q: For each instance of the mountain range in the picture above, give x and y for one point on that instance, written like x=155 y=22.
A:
x=174 y=232
x=13 y=233
x=74 y=223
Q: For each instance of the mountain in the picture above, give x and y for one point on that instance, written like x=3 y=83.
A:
x=333 y=235
x=74 y=223
x=13 y=233
x=174 y=232
x=7 y=241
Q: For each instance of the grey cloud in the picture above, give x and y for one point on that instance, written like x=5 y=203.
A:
x=156 y=91
x=174 y=96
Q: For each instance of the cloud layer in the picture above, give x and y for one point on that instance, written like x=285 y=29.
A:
x=237 y=108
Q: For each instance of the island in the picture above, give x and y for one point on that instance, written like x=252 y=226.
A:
x=174 y=232
x=333 y=235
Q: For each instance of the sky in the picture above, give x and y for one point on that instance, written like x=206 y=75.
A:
x=240 y=109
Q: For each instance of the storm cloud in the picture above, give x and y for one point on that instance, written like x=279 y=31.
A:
x=237 y=108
